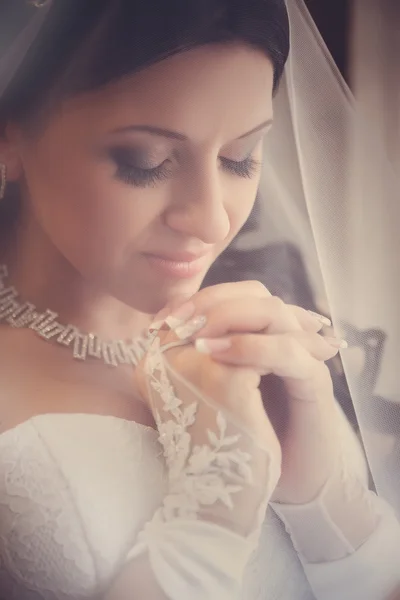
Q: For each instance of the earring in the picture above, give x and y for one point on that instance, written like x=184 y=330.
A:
x=3 y=180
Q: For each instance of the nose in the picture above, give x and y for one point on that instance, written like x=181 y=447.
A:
x=198 y=209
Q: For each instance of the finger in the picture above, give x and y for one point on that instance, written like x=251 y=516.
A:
x=284 y=355
x=208 y=296
x=308 y=320
x=246 y=315
x=242 y=315
x=227 y=291
x=180 y=305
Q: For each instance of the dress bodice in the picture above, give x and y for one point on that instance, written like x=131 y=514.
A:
x=75 y=490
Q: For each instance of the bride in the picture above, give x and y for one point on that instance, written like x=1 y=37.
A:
x=146 y=465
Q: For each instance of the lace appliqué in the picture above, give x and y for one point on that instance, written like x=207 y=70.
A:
x=199 y=475
x=42 y=547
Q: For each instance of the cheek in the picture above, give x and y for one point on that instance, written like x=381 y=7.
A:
x=90 y=217
x=241 y=202
x=242 y=196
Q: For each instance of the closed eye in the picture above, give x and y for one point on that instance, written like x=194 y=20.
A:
x=246 y=168
x=150 y=177
x=139 y=177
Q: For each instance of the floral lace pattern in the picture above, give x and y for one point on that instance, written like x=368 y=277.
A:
x=31 y=517
x=219 y=484
x=51 y=560
x=203 y=502
x=203 y=474
x=59 y=540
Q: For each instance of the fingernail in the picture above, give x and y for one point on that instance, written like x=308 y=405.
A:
x=156 y=325
x=208 y=346
x=321 y=318
x=185 y=331
x=180 y=315
x=336 y=342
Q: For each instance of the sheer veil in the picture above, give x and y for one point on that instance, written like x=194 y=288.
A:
x=324 y=231
x=329 y=186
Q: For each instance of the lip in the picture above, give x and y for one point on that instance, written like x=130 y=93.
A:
x=179 y=265
x=179 y=256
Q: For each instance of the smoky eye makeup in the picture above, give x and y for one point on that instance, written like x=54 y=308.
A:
x=138 y=167
x=135 y=157
x=242 y=161
x=142 y=170
x=246 y=169
x=142 y=166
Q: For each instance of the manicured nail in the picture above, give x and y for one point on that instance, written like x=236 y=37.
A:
x=180 y=315
x=321 y=318
x=159 y=319
x=336 y=342
x=209 y=346
x=156 y=325
x=185 y=331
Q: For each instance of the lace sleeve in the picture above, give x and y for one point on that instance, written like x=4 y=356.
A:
x=220 y=480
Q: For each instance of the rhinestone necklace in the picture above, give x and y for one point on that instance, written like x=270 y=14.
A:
x=84 y=346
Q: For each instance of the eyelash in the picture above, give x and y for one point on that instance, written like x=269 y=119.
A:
x=246 y=168
x=142 y=177
x=138 y=177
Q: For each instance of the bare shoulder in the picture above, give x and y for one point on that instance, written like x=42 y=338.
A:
x=37 y=377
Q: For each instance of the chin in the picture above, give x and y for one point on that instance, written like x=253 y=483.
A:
x=164 y=296
x=151 y=299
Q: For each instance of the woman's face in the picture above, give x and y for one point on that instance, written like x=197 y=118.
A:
x=142 y=184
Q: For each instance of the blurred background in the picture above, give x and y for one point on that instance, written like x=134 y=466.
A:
x=333 y=20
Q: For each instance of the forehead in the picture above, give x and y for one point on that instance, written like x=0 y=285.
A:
x=206 y=91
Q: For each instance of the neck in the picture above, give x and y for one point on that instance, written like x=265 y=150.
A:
x=44 y=277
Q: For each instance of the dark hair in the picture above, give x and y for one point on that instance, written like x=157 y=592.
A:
x=85 y=44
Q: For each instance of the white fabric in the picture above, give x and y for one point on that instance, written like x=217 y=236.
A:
x=76 y=491
x=356 y=224
x=82 y=496
x=330 y=186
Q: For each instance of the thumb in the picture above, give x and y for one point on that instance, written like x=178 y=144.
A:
x=175 y=302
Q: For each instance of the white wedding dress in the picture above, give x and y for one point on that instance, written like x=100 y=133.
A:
x=83 y=495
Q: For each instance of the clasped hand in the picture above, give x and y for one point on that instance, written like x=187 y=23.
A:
x=240 y=337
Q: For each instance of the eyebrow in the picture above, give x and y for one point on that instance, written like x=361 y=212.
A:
x=179 y=136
